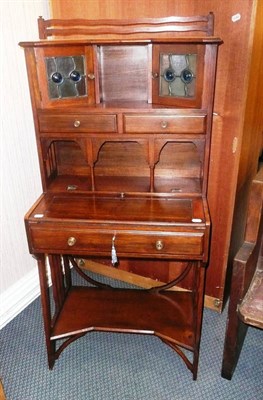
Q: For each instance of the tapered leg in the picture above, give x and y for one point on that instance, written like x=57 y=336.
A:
x=198 y=310
x=61 y=282
x=45 y=302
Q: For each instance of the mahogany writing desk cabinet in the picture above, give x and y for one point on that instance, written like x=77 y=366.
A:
x=123 y=116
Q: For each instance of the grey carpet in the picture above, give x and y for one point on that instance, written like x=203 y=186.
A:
x=111 y=366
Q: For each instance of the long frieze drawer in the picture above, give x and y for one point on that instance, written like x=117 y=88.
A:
x=77 y=123
x=99 y=242
x=164 y=124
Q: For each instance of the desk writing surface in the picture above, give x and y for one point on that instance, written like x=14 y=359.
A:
x=116 y=208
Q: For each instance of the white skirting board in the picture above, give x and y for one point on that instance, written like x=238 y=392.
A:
x=18 y=296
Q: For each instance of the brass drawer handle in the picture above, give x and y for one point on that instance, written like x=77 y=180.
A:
x=76 y=124
x=164 y=124
x=71 y=241
x=159 y=245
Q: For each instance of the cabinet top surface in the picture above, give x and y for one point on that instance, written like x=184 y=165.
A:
x=83 y=42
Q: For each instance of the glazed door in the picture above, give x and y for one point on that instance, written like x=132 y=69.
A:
x=66 y=75
x=178 y=75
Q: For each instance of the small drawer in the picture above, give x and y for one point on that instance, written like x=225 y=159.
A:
x=77 y=123
x=70 y=240
x=133 y=244
x=174 y=244
x=164 y=124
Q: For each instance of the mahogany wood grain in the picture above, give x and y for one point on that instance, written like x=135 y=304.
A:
x=77 y=123
x=145 y=193
x=124 y=73
x=163 y=124
x=167 y=319
x=55 y=27
x=94 y=221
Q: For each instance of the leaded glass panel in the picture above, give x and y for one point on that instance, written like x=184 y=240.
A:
x=177 y=75
x=66 y=77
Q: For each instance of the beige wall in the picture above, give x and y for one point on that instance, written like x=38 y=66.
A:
x=20 y=181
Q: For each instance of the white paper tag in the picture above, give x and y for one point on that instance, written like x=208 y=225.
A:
x=196 y=220
x=236 y=17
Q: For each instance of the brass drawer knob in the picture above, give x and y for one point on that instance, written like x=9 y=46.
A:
x=164 y=124
x=159 y=245
x=91 y=76
x=71 y=241
x=76 y=124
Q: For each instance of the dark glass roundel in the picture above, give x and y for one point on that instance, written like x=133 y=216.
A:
x=187 y=76
x=57 y=78
x=75 y=76
x=169 y=75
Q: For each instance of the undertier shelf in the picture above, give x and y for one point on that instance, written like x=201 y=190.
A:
x=168 y=315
